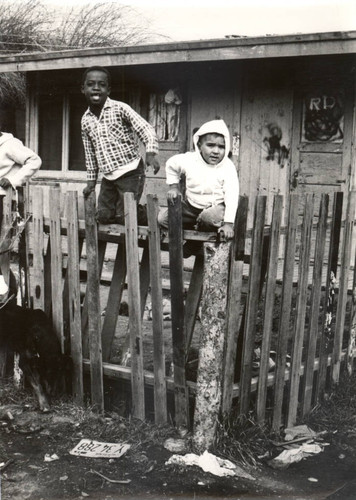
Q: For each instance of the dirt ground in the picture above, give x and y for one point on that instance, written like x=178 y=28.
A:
x=27 y=436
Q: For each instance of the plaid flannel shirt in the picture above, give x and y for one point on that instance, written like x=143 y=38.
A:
x=109 y=141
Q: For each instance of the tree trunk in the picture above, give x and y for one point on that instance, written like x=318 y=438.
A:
x=210 y=369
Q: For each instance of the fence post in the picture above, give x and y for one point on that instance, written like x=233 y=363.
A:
x=160 y=391
x=134 y=302
x=73 y=269
x=175 y=232
x=93 y=298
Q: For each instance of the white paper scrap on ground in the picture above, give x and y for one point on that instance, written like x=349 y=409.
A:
x=96 y=449
x=210 y=463
x=296 y=454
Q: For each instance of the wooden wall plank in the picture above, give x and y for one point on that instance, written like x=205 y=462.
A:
x=93 y=297
x=343 y=285
x=74 y=297
x=160 y=389
x=192 y=300
x=252 y=303
x=234 y=301
x=285 y=311
x=298 y=334
x=269 y=306
x=134 y=302
x=175 y=233
x=313 y=327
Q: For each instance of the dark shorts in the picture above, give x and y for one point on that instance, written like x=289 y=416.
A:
x=111 y=195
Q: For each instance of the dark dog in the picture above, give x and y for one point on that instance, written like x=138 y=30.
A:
x=28 y=332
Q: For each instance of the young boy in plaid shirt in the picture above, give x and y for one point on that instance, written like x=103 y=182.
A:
x=108 y=133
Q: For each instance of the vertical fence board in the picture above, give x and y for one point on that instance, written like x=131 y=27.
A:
x=5 y=235
x=74 y=296
x=37 y=278
x=252 y=303
x=160 y=390
x=326 y=319
x=114 y=301
x=56 y=264
x=134 y=302
x=93 y=298
x=302 y=292
x=269 y=306
x=313 y=327
x=234 y=301
x=286 y=302
x=343 y=285
x=177 y=299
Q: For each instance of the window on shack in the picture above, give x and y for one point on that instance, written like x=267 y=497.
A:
x=50 y=125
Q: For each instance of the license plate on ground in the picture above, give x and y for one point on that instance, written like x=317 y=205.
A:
x=89 y=448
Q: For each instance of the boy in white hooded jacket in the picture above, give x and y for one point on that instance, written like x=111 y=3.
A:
x=212 y=186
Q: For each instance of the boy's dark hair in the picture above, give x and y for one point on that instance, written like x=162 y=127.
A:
x=208 y=133
x=96 y=68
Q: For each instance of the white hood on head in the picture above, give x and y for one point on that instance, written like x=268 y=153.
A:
x=213 y=127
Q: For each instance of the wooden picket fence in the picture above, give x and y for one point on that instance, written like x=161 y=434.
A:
x=283 y=308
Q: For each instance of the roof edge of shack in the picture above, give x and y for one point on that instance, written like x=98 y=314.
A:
x=229 y=48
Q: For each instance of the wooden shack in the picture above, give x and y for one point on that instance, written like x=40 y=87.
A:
x=288 y=102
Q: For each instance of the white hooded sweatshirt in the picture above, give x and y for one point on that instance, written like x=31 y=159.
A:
x=207 y=185
x=17 y=162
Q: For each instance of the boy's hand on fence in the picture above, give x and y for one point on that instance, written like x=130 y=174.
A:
x=226 y=231
x=173 y=193
x=152 y=161
x=89 y=188
x=5 y=183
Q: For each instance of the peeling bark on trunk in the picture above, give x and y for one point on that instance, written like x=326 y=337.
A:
x=210 y=369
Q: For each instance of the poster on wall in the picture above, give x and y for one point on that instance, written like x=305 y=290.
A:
x=323 y=116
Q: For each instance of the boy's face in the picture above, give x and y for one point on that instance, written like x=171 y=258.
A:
x=96 y=88
x=212 y=148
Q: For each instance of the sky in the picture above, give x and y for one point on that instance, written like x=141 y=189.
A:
x=198 y=19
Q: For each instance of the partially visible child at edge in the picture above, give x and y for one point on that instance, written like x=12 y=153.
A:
x=108 y=128
x=211 y=182
x=17 y=164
